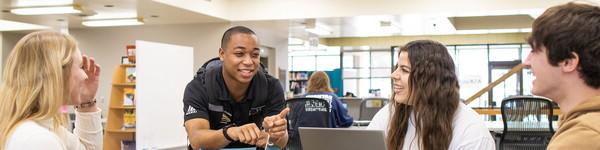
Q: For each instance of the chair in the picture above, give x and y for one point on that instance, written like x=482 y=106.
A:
x=527 y=122
x=353 y=106
x=368 y=108
x=305 y=112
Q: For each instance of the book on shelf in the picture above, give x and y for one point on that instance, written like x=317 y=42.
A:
x=125 y=60
x=130 y=51
x=128 y=97
x=298 y=87
x=299 y=75
x=128 y=145
x=130 y=75
x=129 y=119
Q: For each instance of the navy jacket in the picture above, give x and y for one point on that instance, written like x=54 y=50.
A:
x=339 y=116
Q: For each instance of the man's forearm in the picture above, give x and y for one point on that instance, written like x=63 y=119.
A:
x=282 y=142
x=208 y=139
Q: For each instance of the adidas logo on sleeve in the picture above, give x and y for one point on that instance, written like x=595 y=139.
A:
x=190 y=110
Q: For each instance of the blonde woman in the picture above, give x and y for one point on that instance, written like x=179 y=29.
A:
x=45 y=71
x=319 y=87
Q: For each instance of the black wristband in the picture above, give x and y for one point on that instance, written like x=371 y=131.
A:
x=225 y=133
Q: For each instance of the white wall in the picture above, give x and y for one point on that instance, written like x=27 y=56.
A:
x=8 y=41
x=272 y=34
x=107 y=45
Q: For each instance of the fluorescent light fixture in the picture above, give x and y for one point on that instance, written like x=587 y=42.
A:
x=47 y=10
x=472 y=31
x=32 y=3
x=504 y=30
x=525 y=29
x=113 y=22
x=113 y=15
x=489 y=31
x=6 y=25
x=318 y=31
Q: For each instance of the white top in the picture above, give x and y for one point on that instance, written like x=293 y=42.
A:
x=468 y=131
x=40 y=135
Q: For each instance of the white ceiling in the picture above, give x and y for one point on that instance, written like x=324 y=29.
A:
x=345 y=18
x=153 y=13
x=415 y=24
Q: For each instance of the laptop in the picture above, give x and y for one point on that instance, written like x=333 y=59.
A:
x=341 y=138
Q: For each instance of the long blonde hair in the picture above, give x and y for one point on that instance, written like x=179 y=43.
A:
x=35 y=81
x=319 y=82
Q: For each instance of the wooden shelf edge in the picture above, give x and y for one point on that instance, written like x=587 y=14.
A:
x=120 y=130
x=122 y=107
x=127 y=65
x=123 y=84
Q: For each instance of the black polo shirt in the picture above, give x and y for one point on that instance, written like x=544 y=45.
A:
x=207 y=97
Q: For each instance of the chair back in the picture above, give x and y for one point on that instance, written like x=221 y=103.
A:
x=352 y=104
x=527 y=122
x=370 y=106
x=305 y=112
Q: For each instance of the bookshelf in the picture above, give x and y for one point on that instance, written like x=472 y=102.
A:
x=114 y=132
x=298 y=81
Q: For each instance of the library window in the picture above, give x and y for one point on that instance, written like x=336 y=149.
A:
x=366 y=71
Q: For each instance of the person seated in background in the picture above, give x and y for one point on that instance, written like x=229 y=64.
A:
x=426 y=112
x=44 y=71
x=349 y=94
x=565 y=59
x=319 y=87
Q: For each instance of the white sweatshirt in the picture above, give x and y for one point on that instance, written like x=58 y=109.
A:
x=40 y=135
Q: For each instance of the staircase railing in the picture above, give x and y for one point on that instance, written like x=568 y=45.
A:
x=490 y=86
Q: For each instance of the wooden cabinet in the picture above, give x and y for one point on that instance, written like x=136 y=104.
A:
x=114 y=131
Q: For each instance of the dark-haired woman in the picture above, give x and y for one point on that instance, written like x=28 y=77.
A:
x=427 y=113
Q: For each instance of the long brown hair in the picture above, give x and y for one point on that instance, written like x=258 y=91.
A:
x=432 y=100
x=319 y=82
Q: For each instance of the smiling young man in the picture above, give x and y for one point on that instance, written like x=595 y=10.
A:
x=565 y=59
x=232 y=102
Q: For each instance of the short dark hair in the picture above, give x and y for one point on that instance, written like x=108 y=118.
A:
x=571 y=28
x=234 y=30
